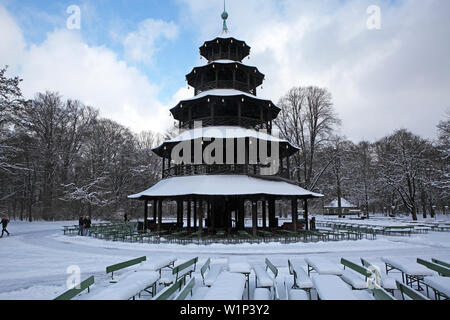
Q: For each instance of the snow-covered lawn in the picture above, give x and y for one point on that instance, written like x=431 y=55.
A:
x=34 y=260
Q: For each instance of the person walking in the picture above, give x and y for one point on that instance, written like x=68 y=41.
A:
x=87 y=226
x=4 y=222
x=80 y=226
x=125 y=217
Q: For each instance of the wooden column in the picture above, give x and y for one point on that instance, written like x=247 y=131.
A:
x=240 y=113
x=264 y=214
x=189 y=203
x=145 y=215
x=195 y=213
x=240 y=224
x=272 y=222
x=288 y=167
x=254 y=217
x=163 y=165
x=159 y=214
x=294 y=213
x=201 y=213
x=211 y=217
x=154 y=211
x=306 y=214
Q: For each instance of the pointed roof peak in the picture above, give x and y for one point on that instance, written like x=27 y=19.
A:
x=224 y=18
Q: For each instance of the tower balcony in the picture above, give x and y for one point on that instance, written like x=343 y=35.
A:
x=222 y=169
x=225 y=84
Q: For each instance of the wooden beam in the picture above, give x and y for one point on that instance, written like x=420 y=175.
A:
x=294 y=213
x=145 y=215
x=306 y=214
x=264 y=214
x=254 y=217
x=189 y=203
x=272 y=219
x=195 y=213
x=159 y=214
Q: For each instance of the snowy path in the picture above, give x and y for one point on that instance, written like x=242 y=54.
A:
x=35 y=259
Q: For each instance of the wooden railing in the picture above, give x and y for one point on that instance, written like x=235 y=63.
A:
x=225 y=84
x=245 y=122
x=220 y=169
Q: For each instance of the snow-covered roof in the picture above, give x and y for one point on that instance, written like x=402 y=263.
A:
x=224 y=132
x=225 y=185
x=223 y=93
x=344 y=204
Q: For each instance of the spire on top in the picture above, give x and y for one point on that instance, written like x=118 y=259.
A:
x=224 y=17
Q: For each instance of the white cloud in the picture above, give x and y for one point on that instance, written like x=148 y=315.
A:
x=93 y=75
x=381 y=80
x=140 y=45
x=12 y=44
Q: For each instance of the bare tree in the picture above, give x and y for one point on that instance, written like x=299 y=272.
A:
x=307 y=119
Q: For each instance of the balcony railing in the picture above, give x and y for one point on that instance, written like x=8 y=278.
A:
x=245 y=122
x=216 y=169
x=225 y=84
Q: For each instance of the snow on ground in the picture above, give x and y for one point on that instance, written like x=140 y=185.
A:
x=36 y=257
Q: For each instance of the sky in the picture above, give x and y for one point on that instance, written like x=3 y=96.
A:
x=129 y=58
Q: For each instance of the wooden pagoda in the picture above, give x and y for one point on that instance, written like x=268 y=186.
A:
x=213 y=195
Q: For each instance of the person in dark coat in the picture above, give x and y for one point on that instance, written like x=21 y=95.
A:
x=80 y=226
x=313 y=223
x=4 y=222
x=125 y=217
x=87 y=226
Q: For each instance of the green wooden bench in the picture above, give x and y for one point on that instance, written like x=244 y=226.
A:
x=186 y=290
x=182 y=271
x=269 y=265
x=442 y=263
x=443 y=271
x=123 y=265
x=72 y=293
x=169 y=291
x=357 y=268
x=382 y=294
x=410 y=292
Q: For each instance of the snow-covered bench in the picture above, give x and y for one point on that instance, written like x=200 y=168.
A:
x=410 y=293
x=158 y=264
x=130 y=286
x=300 y=295
x=441 y=262
x=440 y=286
x=301 y=278
x=442 y=270
x=228 y=286
x=123 y=265
x=411 y=271
x=169 y=292
x=384 y=280
x=353 y=276
x=262 y=294
x=381 y=294
x=323 y=267
x=243 y=268
x=181 y=271
x=262 y=277
x=210 y=273
x=331 y=287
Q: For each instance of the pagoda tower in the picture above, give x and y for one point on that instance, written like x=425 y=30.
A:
x=217 y=163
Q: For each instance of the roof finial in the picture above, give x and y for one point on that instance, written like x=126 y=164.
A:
x=224 y=17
